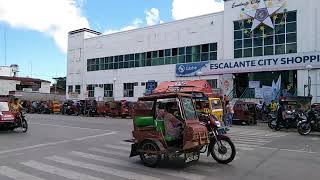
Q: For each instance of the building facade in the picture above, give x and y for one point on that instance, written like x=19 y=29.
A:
x=258 y=46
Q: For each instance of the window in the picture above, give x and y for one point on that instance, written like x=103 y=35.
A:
x=70 y=89
x=90 y=89
x=265 y=40
x=108 y=90
x=78 y=89
x=128 y=90
x=213 y=83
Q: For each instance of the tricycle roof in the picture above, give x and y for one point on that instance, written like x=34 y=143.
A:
x=163 y=96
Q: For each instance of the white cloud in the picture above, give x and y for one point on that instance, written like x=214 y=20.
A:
x=188 y=8
x=153 y=16
x=134 y=25
x=53 y=17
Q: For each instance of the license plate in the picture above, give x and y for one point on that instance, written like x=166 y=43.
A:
x=191 y=157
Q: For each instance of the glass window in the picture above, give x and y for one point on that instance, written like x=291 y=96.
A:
x=90 y=89
x=292 y=16
x=247 y=52
x=291 y=48
x=247 y=43
x=280 y=49
x=279 y=29
x=257 y=41
x=268 y=30
x=258 y=51
x=168 y=52
x=196 y=49
x=292 y=37
x=213 y=47
x=188 y=58
x=196 y=57
x=155 y=54
x=108 y=90
x=213 y=83
x=237 y=44
x=126 y=57
x=280 y=18
x=182 y=59
x=248 y=24
x=238 y=34
x=268 y=50
x=213 y=56
x=77 y=89
x=161 y=53
x=205 y=48
x=280 y=39
x=247 y=33
x=148 y=55
x=189 y=50
x=182 y=51
x=70 y=89
x=174 y=60
x=168 y=60
x=189 y=110
x=291 y=27
x=174 y=51
x=238 y=25
x=128 y=90
x=257 y=33
x=204 y=56
x=268 y=40
x=238 y=53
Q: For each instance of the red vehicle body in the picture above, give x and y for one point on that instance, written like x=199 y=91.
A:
x=10 y=121
x=245 y=112
x=118 y=109
x=101 y=108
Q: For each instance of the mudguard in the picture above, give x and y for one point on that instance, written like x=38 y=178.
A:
x=302 y=121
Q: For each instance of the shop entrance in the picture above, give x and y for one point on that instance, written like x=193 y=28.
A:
x=288 y=81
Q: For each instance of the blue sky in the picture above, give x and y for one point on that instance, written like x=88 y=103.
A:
x=36 y=29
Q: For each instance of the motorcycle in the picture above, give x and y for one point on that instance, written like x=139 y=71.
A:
x=272 y=121
x=311 y=122
x=290 y=121
x=9 y=121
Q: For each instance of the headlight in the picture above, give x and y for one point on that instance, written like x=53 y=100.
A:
x=218 y=124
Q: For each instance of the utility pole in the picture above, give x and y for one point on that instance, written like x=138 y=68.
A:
x=5 y=44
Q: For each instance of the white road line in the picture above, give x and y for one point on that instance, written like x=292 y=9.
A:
x=58 y=171
x=250 y=140
x=245 y=145
x=117 y=147
x=73 y=127
x=15 y=174
x=117 y=153
x=54 y=143
x=125 y=143
x=245 y=148
x=103 y=169
x=247 y=142
x=127 y=164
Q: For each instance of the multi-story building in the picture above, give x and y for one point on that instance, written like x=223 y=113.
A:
x=255 y=45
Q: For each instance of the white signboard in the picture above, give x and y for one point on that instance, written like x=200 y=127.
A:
x=254 y=84
x=259 y=93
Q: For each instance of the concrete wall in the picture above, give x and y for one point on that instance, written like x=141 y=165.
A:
x=6 y=71
x=45 y=87
x=6 y=86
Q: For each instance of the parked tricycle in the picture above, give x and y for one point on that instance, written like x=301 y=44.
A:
x=153 y=142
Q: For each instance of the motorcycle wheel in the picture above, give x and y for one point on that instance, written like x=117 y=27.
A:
x=150 y=160
x=24 y=126
x=304 y=129
x=270 y=125
x=223 y=150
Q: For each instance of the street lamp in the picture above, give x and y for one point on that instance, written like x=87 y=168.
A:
x=309 y=67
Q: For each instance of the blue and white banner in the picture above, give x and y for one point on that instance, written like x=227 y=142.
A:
x=184 y=70
x=297 y=61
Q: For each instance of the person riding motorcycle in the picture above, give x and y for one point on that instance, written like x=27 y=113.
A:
x=15 y=106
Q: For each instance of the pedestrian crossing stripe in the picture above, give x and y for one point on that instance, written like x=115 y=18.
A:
x=103 y=169
x=16 y=174
x=127 y=164
x=59 y=171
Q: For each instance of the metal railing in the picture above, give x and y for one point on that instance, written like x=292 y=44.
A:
x=249 y=93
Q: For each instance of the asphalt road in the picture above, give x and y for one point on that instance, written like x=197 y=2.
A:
x=80 y=148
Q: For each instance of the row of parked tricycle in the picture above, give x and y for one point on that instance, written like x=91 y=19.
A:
x=89 y=108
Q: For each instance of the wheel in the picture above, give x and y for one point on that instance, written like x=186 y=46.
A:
x=24 y=126
x=271 y=124
x=304 y=129
x=223 y=150
x=148 y=159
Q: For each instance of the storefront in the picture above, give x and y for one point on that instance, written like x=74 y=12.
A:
x=259 y=46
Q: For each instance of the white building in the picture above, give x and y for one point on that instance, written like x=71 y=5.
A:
x=249 y=45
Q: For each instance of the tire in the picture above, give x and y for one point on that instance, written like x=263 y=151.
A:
x=270 y=125
x=304 y=129
x=24 y=126
x=151 y=146
x=223 y=150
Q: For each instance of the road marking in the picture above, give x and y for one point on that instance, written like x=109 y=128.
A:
x=73 y=127
x=127 y=164
x=251 y=140
x=58 y=171
x=117 y=147
x=17 y=175
x=54 y=143
x=103 y=169
x=109 y=152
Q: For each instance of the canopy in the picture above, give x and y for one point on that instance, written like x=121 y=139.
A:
x=184 y=87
